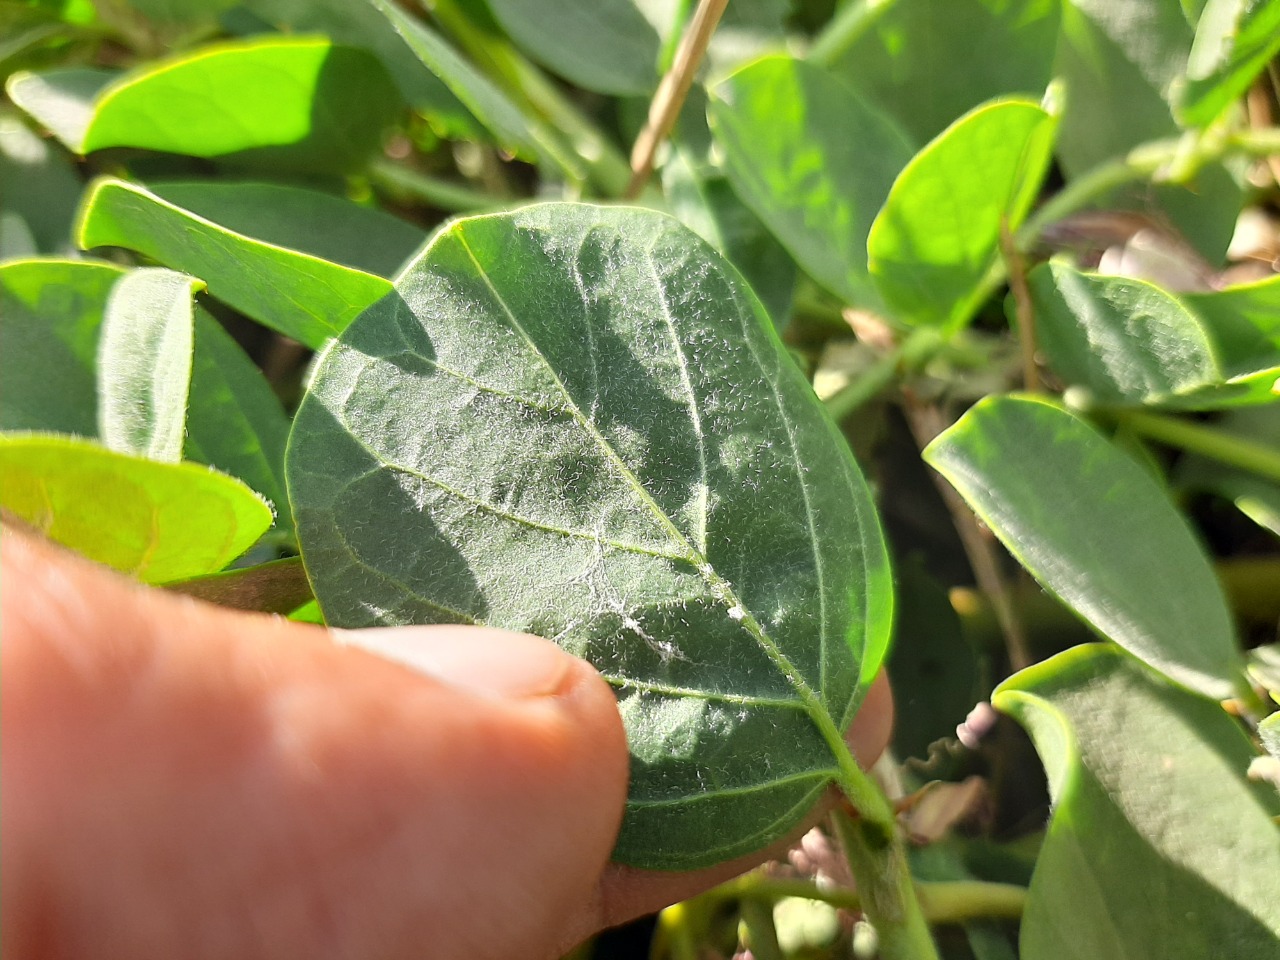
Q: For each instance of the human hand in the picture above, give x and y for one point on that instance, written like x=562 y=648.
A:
x=183 y=780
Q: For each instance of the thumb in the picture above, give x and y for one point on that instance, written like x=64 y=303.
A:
x=183 y=780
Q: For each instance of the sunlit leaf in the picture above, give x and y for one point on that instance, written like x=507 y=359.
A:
x=1233 y=42
x=155 y=521
x=814 y=161
x=938 y=234
x=576 y=421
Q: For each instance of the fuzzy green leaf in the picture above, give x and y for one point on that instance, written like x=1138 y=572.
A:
x=144 y=363
x=1233 y=42
x=1159 y=846
x=938 y=233
x=297 y=293
x=1126 y=341
x=1096 y=529
x=814 y=161
x=577 y=421
x=154 y=521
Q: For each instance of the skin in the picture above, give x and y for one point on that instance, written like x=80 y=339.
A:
x=182 y=780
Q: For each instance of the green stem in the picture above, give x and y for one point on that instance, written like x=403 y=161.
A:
x=846 y=27
x=1206 y=441
x=910 y=354
x=762 y=935
x=879 y=863
x=955 y=901
x=443 y=194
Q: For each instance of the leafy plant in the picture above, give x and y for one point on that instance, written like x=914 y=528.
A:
x=989 y=241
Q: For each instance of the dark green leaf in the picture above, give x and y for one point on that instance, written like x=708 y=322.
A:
x=300 y=295
x=938 y=234
x=154 y=521
x=814 y=161
x=1159 y=846
x=1233 y=42
x=1257 y=498
x=928 y=63
x=1126 y=341
x=294 y=103
x=1095 y=528
x=577 y=422
x=1243 y=322
x=144 y=363
x=46 y=200
x=50 y=311
x=606 y=45
x=358 y=24
x=234 y=421
x=1120 y=61
x=523 y=135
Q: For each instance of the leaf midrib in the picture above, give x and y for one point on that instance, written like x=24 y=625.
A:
x=721 y=589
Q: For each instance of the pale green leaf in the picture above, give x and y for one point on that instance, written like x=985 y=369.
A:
x=938 y=234
x=1233 y=42
x=300 y=295
x=144 y=363
x=62 y=100
x=38 y=184
x=154 y=521
x=1243 y=322
x=50 y=311
x=1097 y=530
x=577 y=422
x=1159 y=846
x=1126 y=341
x=814 y=161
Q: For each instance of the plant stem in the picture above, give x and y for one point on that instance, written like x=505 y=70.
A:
x=845 y=28
x=879 y=864
x=443 y=194
x=908 y=355
x=1196 y=438
x=762 y=935
x=672 y=91
x=955 y=901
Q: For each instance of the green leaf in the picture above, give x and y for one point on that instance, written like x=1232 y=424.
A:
x=928 y=64
x=607 y=46
x=46 y=202
x=320 y=224
x=814 y=161
x=155 y=521
x=297 y=103
x=1126 y=341
x=1097 y=530
x=279 y=587
x=938 y=234
x=234 y=421
x=577 y=421
x=1233 y=42
x=50 y=311
x=360 y=25
x=1159 y=846
x=144 y=363
x=1269 y=731
x=704 y=201
x=1244 y=323
x=523 y=135
x=1256 y=497
x=1120 y=61
x=291 y=291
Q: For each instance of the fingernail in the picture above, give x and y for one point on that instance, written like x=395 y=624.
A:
x=492 y=663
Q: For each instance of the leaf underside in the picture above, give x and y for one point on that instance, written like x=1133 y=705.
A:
x=577 y=422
